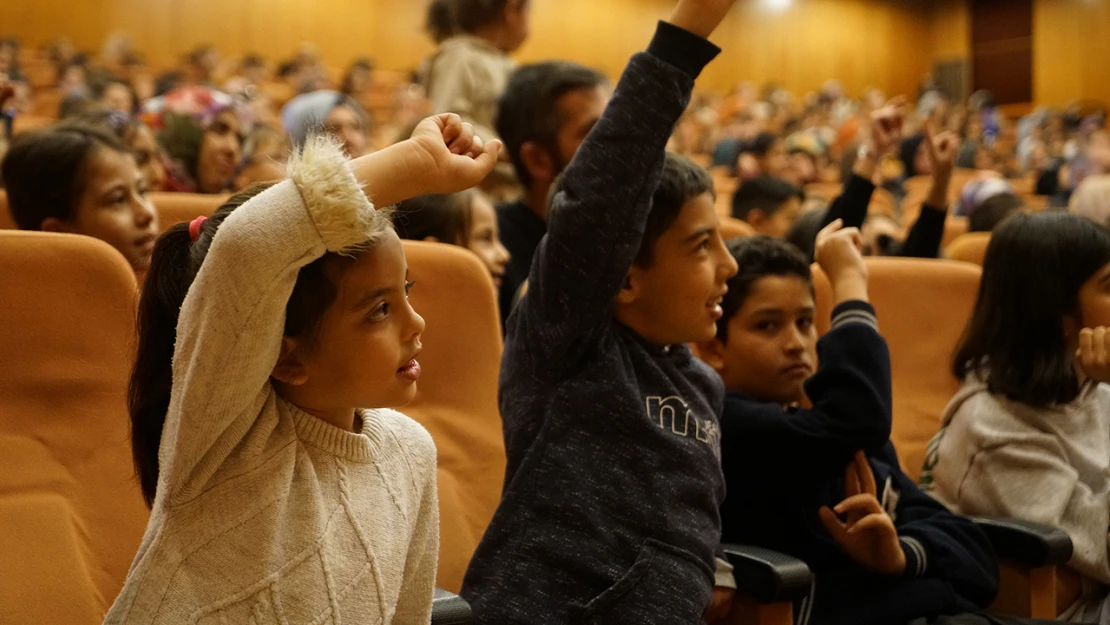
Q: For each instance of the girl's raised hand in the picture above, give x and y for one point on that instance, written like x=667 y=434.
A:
x=452 y=157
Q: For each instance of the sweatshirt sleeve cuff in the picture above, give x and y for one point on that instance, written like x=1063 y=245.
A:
x=682 y=48
x=855 y=311
x=916 y=559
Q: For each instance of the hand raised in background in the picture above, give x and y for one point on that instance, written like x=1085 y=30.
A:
x=700 y=17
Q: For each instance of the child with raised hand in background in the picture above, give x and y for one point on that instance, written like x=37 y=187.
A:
x=275 y=338
x=613 y=480
x=880 y=550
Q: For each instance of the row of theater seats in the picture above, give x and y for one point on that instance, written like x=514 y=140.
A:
x=71 y=512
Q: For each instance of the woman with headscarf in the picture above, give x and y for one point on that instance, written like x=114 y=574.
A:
x=1092 y=199
x=201 y=131
x=327 y=112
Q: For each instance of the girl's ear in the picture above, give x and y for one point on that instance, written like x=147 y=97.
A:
x=289 y=368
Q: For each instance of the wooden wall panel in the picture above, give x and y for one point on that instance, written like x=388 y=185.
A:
x=1070 y=51
x=882 y=43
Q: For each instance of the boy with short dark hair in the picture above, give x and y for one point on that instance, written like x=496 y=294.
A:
x=610 y=510
x=770 y=205
x=881 y=551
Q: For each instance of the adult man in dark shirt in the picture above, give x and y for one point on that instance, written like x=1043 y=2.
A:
x=545 y=114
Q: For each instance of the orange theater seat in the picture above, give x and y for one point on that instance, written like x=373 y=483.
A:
x=71 y=515
x=923 y=306
x=456 y=398
x=969 y=248
x=175 y=208
x=954 y=227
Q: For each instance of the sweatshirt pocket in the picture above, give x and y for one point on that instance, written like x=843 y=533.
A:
x=665 y=586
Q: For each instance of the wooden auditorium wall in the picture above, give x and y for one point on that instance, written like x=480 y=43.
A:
x=861 y=42
x=1071 y=51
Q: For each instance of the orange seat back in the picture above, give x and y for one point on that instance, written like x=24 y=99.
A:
x=922 y=306
x=954 y=228
x=969 y=248
x=67 y=330
x=175 y=208
x=456 y=398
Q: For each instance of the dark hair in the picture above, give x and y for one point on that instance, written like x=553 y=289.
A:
x=447 y=217
x=767 y=193
x=528 y=112
x=45 y=171
x=758 y=257
x=347 y=86
x=98 y=86
x=173 y=267
x=470 y=15
x=1033 y=270
x=907 y=153
x=439 y=21
x=682 y=180
x=761 y=144
x=993 y=211
x=803 y=234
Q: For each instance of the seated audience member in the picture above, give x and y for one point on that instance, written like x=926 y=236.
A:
x=770 y=205
x=984 y=186
x=81 y=180
x=138 y=138
x=1028 y=435
x=545 y=114
x=252 y=73
x=763 y=156
x=115 y=94
x=358 y=80
x=265 y=154
x=201 y=132
x=881 y=551
x=465 y=219
x=1092 y=199
x=993 y=211
x=328 y=112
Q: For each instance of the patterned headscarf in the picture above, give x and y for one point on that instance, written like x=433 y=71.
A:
x=179 y=120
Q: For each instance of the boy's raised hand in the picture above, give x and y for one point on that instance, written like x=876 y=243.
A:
x=837 y=252
x=886 y=126
x=452 y=157
x=1093 y=354
x=700 y=17
x=868 y=534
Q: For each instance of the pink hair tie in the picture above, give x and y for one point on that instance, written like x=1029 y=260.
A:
x=195 y=226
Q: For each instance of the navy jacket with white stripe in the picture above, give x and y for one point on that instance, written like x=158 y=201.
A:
x=781 y=466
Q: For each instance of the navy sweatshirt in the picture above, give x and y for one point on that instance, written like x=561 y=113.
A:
x=781 y=466
x=924 y=238
x=610 y=507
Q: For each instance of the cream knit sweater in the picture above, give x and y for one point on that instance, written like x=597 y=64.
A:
x=265 y=514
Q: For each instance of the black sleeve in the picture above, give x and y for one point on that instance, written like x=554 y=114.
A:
x=926 y=234
x=851 y=402
x=851 y=205
x=598 y=217
x=941 y=545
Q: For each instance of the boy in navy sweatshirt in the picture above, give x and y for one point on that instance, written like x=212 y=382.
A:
x=824 y=484
x=610 y=507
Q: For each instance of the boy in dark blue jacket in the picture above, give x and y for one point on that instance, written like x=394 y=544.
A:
x=824 y=484
x=610 y=507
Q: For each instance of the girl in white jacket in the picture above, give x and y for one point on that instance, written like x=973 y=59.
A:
x=1028 y=436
